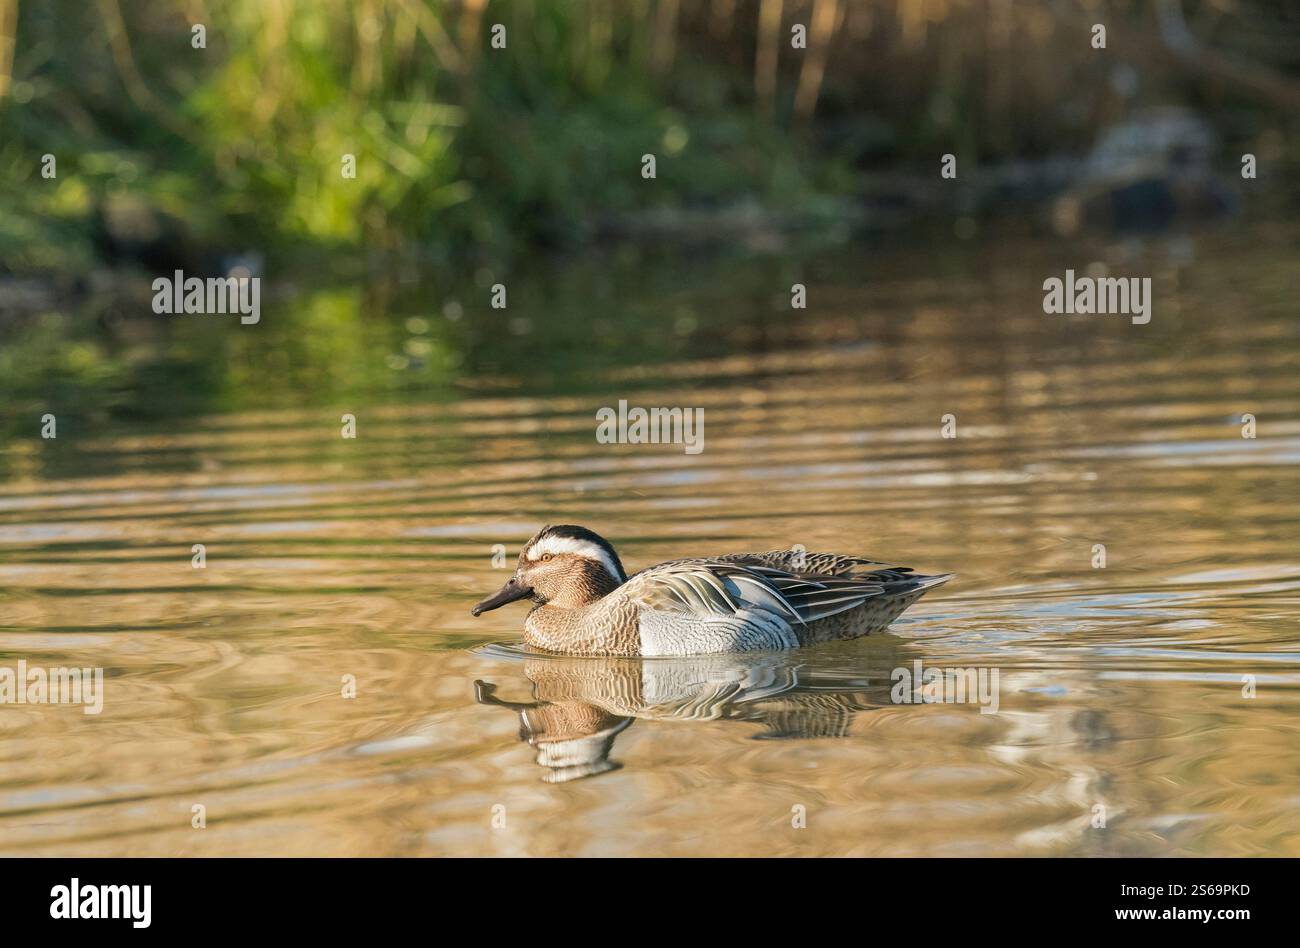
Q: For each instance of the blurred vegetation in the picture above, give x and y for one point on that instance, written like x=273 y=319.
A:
x=464 y=150
x=460 y=149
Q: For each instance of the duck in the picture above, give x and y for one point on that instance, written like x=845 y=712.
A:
x=584 y=603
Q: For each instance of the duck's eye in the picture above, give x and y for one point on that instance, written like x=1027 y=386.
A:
x=546 y=556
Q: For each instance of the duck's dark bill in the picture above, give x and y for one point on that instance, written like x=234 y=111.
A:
x=508 y=593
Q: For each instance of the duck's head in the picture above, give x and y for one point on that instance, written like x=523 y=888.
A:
x=563 y=565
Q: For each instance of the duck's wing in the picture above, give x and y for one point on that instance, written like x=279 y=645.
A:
x=817 y=564
x=723 y=588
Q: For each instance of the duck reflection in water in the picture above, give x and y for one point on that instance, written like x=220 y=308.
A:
x=580 y=705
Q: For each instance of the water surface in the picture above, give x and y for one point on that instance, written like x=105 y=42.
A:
x=1121 y=688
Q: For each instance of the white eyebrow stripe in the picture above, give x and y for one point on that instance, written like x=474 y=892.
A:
x=557 y=545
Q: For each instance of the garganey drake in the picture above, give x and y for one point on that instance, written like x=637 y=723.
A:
x=585 y=604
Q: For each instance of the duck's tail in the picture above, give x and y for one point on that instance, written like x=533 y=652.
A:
x=929 y=582
x=876 y=613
